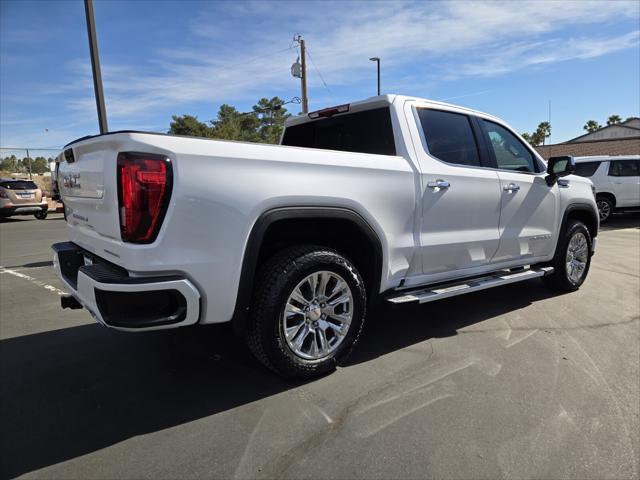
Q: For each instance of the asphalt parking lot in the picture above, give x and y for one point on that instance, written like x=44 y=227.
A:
x=513 y=382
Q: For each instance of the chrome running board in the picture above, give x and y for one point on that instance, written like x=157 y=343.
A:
x=451 y=289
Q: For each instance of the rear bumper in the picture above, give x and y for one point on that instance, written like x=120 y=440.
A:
x=121 y=301
x=11 y=210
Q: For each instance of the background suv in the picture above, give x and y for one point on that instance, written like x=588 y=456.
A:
x=616 y=179
x=22 y=197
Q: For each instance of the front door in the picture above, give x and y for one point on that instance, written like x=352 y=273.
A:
x=529 y=207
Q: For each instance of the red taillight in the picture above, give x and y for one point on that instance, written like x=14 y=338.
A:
x=144 y=189
x=3 y=194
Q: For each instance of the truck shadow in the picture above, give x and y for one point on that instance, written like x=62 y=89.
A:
x=394 y=328
x=70 y=392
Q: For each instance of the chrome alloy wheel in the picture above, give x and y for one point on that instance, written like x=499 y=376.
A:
x=577 y=256
x=604 y=209
x=317 y=315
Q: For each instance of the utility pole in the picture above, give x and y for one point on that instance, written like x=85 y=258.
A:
x=29 y=162
x=377 y=60
x=95 y=66
x=303 y=79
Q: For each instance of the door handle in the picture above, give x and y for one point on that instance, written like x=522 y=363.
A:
x=439 y=184
x=512 y=187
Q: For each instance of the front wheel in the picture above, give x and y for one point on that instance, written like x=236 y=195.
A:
x=41 y=215
x=572 y=259
x=308 y=312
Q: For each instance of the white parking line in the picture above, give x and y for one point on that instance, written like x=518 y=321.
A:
x=35 y=281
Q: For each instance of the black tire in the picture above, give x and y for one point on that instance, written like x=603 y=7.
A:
x=276 y=281
x=605 y=207
x=560 y=279
x=41 y=215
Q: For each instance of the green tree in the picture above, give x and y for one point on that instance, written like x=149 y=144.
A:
x=264 y=123
x=540 y=135
x=591 y=126
x=613 y=119
x=9 y=164
x=271 y=114
x=189 y=125
x=230 y=124
x=39 y=165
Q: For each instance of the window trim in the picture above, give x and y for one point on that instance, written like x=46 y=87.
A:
x=480 y=145
x=492 y=154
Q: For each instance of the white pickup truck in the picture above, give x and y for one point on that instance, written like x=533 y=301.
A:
x=394 y=198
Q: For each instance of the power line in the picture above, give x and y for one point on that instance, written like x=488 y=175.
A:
x=253 y=59
x=318 y=71
x=29 y=148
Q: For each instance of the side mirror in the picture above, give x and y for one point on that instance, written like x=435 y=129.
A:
x=559 y=167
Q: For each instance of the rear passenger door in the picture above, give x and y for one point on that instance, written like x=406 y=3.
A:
x=625 y=178
x=529 y=207
x=460 y=196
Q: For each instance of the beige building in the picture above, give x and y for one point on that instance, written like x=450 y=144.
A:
x=619 y=139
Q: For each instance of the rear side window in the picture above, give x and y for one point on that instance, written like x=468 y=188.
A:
x=364 y=132
x=18 y=185
x=449 y=137
x=510 y=153
x=624 y=168
x=586 y=169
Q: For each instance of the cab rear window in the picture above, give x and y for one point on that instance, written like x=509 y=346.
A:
x=364 y=132
x=18 y=185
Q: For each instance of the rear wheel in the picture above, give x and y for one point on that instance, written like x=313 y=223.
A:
x=41 y=215
x=308 y=312
x=572 y=259
x=605 y=207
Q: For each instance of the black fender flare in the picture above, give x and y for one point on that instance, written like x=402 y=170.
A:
x=580 y=207
x=256 y=238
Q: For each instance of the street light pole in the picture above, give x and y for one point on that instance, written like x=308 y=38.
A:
x=377 y=60
x=95 y=66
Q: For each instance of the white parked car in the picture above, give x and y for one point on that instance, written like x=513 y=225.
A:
x=394 y=197
x=616 y=179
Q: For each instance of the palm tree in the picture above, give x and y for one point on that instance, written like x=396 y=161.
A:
x=591 y=126
x=613 y=119
x=544 y=131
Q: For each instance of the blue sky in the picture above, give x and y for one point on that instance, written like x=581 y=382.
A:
x=162 y=57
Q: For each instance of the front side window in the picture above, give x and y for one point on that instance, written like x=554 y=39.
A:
x=449 y=137
x=586 y=169
x=510 y=153
x=624 y=168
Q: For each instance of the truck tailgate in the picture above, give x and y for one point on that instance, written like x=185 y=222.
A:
x=88 y=187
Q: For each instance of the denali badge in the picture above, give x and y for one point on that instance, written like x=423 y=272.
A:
x=71 y=180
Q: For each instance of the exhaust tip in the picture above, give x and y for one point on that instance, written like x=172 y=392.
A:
x=69 y=301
